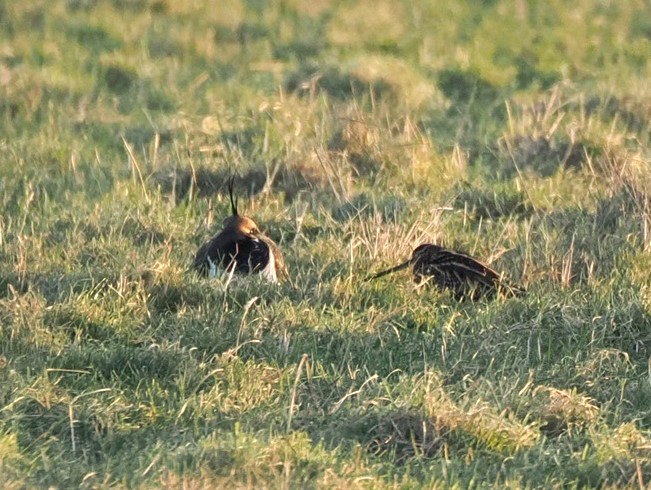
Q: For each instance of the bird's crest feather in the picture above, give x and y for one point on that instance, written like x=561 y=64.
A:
x=231 y=184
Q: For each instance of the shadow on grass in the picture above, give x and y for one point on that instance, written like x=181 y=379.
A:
x=542 y=155
x=109 y=135
x=131 y=89
x=202 y=182
x=494 y=202
x=363 y=206
x=398 y=434
x=128 y=365
x=634 y=112
x=589 y=244
x=309 y=80
x=55 y=287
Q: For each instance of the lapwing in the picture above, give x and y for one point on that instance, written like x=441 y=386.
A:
x=447 y=269
x=240 y=248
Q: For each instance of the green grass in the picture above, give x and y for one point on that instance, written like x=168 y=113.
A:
x=516 y=132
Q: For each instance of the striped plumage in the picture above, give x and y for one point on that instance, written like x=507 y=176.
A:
x=465 y=276
x=240 y=248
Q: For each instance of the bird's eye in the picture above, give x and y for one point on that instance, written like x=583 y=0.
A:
x=254 y=231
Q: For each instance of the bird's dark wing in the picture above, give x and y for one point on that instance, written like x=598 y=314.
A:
x=463 y=267
x=201 y=264
x=248 y=255
x=465 y=276
x=244 y=255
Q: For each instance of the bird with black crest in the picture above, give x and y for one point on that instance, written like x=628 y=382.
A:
x=458 y=272
x=240 y=248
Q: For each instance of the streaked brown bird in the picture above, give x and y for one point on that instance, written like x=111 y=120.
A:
x=241 y=248
x=465 y=276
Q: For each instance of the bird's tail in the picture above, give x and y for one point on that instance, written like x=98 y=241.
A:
x=396 y=268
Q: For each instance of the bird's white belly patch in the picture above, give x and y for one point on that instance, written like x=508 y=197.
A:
x=212 y=269
x=269 y=272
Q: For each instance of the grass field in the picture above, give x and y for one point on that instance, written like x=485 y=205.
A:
x=516 y=131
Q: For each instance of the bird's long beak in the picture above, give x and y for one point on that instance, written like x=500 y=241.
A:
x=396 y=268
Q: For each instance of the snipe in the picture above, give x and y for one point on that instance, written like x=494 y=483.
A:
x=447 y=269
